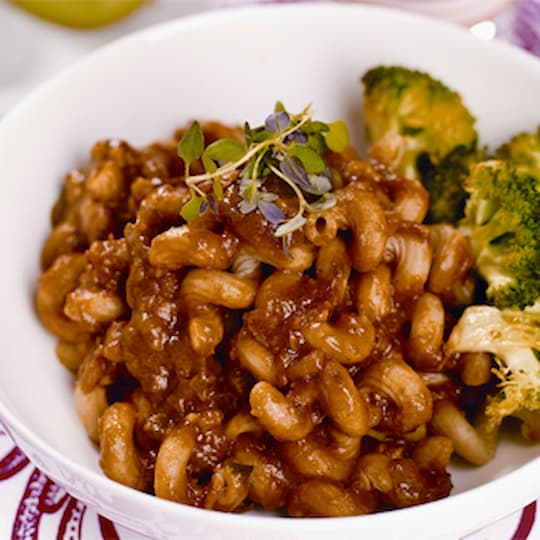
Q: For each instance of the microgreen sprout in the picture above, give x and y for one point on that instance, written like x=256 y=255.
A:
x=290 y=147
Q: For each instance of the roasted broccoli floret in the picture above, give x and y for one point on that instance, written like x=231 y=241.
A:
x=445 y=183
x=502 y=222
x=414 y=114
x=523 y=151
x=422 y=129
x=514 y=338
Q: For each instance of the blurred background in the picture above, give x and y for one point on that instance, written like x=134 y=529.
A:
x=40 y=37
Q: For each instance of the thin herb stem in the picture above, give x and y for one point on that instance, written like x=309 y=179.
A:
x=254 y=172
x=302 y=203
x=272 y=153
x=256 y=165
x=230 y=167
x=198 y=190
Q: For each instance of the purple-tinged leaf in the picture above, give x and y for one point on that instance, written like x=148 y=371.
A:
x=247 y=207
x=277 y=122
x=271 y=212
x=267 y=196
x=212 y=203
x=204 y=206
x=297 y=136
x=292 y=168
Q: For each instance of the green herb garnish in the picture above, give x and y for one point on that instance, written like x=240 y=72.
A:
x=289 y=147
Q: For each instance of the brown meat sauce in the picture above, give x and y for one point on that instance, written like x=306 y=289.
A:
x=132 y=321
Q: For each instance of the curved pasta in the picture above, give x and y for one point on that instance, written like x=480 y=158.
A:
x=349 y=340
x=229 y=486
x=409 y=251
x=319 y=498
x=63 y=239
x=93 y=308
x=372 y=472
x=106 y=183
x=206 y=328
x=258 y=360
x=171 y=476
x=241 y=423
x=90 y=406
x=333 y=266
x=307 y=366
x=72 y=354
x=427 y=333
x=217 y=287
x=185 y=245
x=268 y=481
x=358 y=210
x=312 y=459
x=118 y=455
x=475 y=368
x=54 y=286
x=398 y=381
x=299 y=258
x=341 y=400
x=434 y=451
x=468 y=442
x=452 y=260
x=373 y=293
x=409 y=197
x=278 y=414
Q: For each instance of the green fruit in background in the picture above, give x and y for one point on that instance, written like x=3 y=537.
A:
x=80 y=13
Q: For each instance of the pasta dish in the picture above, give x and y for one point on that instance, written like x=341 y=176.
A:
x=260 y=317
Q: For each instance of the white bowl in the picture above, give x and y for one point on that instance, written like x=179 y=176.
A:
x=232 y=65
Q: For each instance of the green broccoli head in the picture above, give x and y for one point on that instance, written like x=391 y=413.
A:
x=523 y=151
x=445 y=183
x=414 y=114
x=502 y=221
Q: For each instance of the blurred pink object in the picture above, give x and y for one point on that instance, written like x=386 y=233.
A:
x=527 y=25
x=458 y=11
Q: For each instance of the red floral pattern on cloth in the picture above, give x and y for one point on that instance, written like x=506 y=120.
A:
x=33 y=507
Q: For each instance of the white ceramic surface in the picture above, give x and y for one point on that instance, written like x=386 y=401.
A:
x=232 y=66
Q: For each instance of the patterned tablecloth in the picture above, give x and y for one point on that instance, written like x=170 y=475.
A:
x=32 y=507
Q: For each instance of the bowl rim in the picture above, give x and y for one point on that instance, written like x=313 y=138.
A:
x=157 y=31
x=499 y=491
